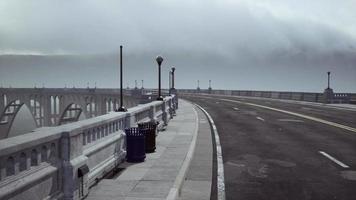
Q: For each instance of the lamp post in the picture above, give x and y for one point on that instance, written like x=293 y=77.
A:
x=328 y=80
x=159 y=60
x=141 y=84
x=170 y=82
x=173 y=69
x=121 y=108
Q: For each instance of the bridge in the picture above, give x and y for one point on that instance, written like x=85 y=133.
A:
x=256 y=144
x=44 y=163
x=53 y=107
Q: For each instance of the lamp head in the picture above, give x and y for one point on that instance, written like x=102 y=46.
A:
x=159 y=60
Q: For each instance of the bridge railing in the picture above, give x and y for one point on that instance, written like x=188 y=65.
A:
x=63 y=162
x=299 y=96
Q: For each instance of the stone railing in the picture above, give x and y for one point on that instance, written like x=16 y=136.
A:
x=63 y=162
x=298 y=96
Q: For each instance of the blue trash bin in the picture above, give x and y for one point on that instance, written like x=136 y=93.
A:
x=135 y=141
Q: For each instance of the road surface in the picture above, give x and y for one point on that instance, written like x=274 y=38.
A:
x=277 y=150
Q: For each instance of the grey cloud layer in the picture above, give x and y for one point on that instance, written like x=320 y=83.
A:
x=307 y=35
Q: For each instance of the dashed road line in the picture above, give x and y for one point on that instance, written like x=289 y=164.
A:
x=235 y=108
x=291 y=120
x=260 y=118
x=334 y=159
x=298 y=115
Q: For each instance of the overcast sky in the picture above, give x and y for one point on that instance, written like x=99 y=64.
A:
x=238 y=44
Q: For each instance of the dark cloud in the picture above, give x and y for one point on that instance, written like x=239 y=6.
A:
x=269 y=45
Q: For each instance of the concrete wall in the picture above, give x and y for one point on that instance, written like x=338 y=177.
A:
x=299 y=96
x=46 y=163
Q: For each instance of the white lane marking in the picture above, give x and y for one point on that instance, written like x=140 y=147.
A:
x=334 y=159
x=220 y=164
x=260 y=118
x=291 y=120
x=217 y=102
x=236 y=108
x=298 y=115
x=311 y=109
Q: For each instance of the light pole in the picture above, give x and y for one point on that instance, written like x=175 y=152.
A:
x=141 y=84
x=159 y=60
x=173 y=69
x=328 y=80
x=121 y=108
x=170 y=82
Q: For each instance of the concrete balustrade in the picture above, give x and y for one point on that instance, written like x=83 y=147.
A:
x=299 y=96
x=63 y=162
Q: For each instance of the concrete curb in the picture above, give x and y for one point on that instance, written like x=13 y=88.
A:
x=174 y=192
x=220 y=164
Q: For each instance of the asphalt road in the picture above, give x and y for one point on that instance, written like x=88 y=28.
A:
x=273 y=155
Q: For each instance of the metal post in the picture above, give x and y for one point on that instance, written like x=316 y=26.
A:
x=328 y=80
x=122 y=108
x=159 y=60
x=135 y=84
x=170 y=79
x=170 y=82
x=141 y=84
x=173 y=69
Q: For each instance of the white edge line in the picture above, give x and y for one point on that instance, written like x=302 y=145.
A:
x=236 y=108
x=334 y=159
x=220 y=164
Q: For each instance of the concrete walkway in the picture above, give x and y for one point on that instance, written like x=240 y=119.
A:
x=162 y=174
x=197 y=184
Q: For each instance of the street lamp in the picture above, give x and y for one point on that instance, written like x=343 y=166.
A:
x=328 y=80
x=170 y=82
x=173 y=69
x=159 y=60
x=121 y=108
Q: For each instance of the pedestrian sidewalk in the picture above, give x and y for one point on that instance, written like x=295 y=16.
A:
x=162 y=174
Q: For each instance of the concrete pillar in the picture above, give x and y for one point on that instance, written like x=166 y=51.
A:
x=328 y=95
x=90 y=108
x=40 y=100
x=2 y=106
x=152 y=114
x=164 y=113
x=71 y=151
x=47 y=110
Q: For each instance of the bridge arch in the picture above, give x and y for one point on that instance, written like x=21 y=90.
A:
x=10 y=125
x=72 y=113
